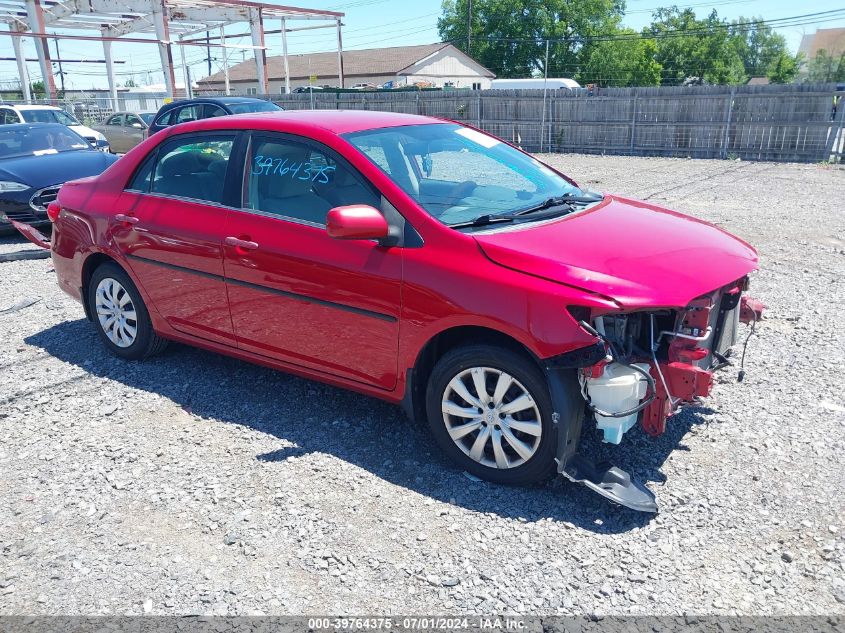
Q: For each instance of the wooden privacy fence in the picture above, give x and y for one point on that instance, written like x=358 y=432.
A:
x=769 y=123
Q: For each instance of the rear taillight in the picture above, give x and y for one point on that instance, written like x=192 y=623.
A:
x=53 y=210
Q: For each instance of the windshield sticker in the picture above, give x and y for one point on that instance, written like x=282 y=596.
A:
x=269 y=166
x=477 y=137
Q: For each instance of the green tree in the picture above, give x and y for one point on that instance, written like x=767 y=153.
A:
x=705 y=53
x=826 y=68
x=784 y=68
x=763 y=52
x=621 y=62
x=507 y=35
x=37 y=90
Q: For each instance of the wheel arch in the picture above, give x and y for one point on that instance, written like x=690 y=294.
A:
x=92 y=263
x=443 y=341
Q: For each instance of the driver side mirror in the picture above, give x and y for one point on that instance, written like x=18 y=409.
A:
x=356 y=222
x=137 y=126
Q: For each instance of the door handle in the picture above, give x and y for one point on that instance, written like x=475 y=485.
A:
x=239 y=243
x=129 y=219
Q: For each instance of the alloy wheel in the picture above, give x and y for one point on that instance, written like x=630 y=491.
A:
x=492 y=417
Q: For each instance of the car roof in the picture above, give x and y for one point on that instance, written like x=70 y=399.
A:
x=167 y=107
x=223 y=100
x=335 y=121
x=25 y=106
x=29 y=126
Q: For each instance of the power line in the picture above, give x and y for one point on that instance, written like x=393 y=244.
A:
x=702 y=31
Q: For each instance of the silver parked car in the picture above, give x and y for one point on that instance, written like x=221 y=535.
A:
x=124 y=130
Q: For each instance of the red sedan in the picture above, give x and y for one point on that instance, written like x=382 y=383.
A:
x=416 y=260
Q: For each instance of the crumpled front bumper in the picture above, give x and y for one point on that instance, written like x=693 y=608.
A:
x=684 y=377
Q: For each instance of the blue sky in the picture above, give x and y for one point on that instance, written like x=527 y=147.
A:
x=370 y=24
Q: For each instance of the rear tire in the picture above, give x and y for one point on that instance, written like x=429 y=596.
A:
x=120 y=316
x=504 y=434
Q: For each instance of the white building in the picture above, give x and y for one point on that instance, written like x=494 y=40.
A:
x=437 y=64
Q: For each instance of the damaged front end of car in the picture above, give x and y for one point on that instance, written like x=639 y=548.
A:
x=644 y=366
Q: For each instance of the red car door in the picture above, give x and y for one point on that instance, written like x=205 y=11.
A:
x=170 y=228
x=296 y=294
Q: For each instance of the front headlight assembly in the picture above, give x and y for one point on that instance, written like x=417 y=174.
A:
x=11 y=185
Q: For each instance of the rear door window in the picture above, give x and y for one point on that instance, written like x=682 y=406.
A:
x=188 y=113
x=9 y=117
x=193 y=167
x=167 y=118
x=211 y=110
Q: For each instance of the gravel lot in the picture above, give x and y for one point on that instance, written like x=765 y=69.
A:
x=193 y=483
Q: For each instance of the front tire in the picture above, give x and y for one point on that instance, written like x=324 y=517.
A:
x=120 y=316
x=490 y=411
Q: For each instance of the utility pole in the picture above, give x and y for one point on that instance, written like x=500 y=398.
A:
x=545 y=79
x=469 y=26
x=59 y=59
x=208 y=50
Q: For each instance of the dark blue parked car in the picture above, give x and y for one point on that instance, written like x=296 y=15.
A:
x=35 y=160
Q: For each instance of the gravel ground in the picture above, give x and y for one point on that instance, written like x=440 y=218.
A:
x=193 y=483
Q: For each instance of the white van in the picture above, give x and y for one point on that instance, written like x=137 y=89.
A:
x=552 y=83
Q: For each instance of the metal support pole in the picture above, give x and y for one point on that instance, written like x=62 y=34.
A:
x=23 y=71
x=110 y=74
x=160 y=17
x=545 y=79
x=339 y=56
x=225 y=61
x=186 y=73
x=256 y=23
x=35 y=17
x=633 y=124
x=285 y=55
x=728 y=114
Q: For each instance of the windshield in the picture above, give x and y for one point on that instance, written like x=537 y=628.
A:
x=458 y=174
x=243 y=108
x=147 y=117
x=40 y=140
x=48 y=116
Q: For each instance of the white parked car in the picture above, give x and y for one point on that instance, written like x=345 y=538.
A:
x=535 y=83
x=14 y=113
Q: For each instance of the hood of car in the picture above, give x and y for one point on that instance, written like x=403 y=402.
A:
x=51 y=169
x=635 y=253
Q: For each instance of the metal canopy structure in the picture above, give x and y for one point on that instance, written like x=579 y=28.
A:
x=170 y=21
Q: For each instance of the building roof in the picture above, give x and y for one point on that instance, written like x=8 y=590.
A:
x=358 y=63
x=758 y=81
x=831 y=40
